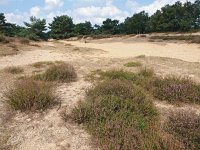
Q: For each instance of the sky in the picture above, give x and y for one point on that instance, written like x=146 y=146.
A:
x=18 y=11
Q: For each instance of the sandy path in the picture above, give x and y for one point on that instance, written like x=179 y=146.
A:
x=186 y=52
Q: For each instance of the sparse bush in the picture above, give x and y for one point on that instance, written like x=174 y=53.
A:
x=175 y=90
x=120 y=115
x=133 y=64
x=14 y=70
x=61 y=72
x=185 y=126
x=3 y=39
x=30 y=95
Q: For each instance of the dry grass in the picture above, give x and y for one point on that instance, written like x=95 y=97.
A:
x=62 y=72
x=24 y=41
x=185 y=126
x=30 y=95
x=133 y=64
x=14 y=70
x=3 y=39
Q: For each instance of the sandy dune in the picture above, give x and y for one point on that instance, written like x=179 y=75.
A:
x=183 y=51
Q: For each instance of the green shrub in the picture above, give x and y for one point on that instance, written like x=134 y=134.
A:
x=185 y=126
x=120 y=115
x=30 y=95
x=133 y=64
x=61 y=72
x=14 y=70
x=175 y=90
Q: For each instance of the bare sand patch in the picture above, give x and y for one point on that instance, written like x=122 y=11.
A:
x=183 y=51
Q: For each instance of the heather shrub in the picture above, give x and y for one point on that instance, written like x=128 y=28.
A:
x=30 y=95
x=185 y=126
x=120 y=115
x=176 y=89
x=61 y=72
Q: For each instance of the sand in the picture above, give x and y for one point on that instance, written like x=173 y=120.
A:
x=183 y=51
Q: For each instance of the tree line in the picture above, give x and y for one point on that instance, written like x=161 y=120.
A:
x=179 y=17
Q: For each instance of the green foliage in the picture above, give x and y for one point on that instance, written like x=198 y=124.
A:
x=110 y=26
x=171 y=18
x=137 y=23
x=61 y=27
x=30 y=95
x=35 y=29
x=83 y=28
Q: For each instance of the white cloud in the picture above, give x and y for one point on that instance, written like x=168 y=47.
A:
x=35 y=11
x=17 y=17
x=98 y=14
x=52 y=4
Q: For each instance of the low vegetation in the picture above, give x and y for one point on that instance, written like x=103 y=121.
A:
x=61 y=72
x=3 y=39
x=175 y=90
x=120 y=115
x=185 y=126
x=189 y=38
x=42 y=64
x=14 y=70
x=133 y=64
x=30 y=95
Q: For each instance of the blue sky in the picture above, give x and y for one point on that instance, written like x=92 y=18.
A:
x=17 y=11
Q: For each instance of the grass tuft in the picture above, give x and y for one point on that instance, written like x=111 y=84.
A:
x=30 y=95
x=14 y=70
x=62 y=72
x=133 y=64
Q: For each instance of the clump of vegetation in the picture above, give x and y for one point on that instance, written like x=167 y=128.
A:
x=30 y=95
x=175 y=90
x=3 y=39
x=14 y=70
x=185 y=126
x=133 y=64
x=172 y=89
x=120 y=115
x=42 y=64
x=190 y=38
x=62 y=72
